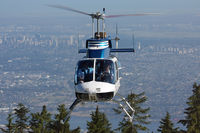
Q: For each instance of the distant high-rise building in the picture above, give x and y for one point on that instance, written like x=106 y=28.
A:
x=71 y=40
x=139 y=45
x=56 y=40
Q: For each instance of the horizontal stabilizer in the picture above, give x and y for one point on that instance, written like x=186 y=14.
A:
x=82 y=51
x=123 y=50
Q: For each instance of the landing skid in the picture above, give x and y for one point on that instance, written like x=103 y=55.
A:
x=125 y=106
x=71 y=108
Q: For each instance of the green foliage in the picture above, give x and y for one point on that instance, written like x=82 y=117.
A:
x=40 y=122
x=192 y=118
x=10 y=126
x=60 y=127
x=99 y=123
x=166 y=126
x=21 y=118
x=141 y=115
x=43 y=123
x=127 y=127
x=57 y=125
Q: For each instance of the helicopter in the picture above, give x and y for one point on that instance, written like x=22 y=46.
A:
x=96 y=77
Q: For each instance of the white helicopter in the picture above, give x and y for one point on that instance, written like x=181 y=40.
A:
x=97 y=74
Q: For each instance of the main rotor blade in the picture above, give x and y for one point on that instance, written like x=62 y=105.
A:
x=137 y=14
x=69 y=9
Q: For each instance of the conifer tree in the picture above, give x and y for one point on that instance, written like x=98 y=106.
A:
x=10 y=126
x=98 y=123
x=141 y=115
x=40 y=122
x=192 y=118
x=21 y=118
x=60 y=127
x=166 y=126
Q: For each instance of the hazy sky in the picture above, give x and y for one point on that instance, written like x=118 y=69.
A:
x=37 y=8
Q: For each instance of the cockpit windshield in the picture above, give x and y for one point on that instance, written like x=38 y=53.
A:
x=104 y=71
x=85 y=71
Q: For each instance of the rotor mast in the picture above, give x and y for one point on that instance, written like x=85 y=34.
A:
x=98 y=16
x=98 y=26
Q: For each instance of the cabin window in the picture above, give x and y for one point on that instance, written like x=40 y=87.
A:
x=84 y=71
x=117 y=71
x=104 y=71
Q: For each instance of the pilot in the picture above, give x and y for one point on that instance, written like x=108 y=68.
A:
x=81 y=76
x=86 y=72
x=82 y=72
x=106 y=75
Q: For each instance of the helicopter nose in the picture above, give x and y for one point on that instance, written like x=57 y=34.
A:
x=95 y=87
x=99 y=87
x=95 y=91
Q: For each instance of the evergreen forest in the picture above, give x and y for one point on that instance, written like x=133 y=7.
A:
x=21 y=120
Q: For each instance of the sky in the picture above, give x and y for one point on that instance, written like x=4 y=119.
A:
x=38 y=8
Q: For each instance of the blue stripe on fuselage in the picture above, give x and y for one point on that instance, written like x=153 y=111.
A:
x=93 y=45
x=98 y=48
x=102 y=53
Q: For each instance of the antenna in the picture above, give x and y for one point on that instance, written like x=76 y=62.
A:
x=93 y=27
x=117 y=38
x=133 y=39
x=103 y=21
x=78 y=42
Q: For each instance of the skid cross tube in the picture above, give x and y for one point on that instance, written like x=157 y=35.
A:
x=123 y=107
